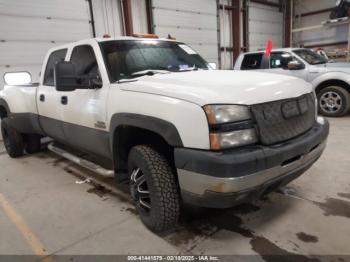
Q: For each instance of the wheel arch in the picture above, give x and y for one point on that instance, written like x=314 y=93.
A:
x=4 y=109
x=332 y=82
x=128 y=130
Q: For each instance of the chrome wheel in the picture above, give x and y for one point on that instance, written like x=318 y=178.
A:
x=331 y=102
x=139 y=190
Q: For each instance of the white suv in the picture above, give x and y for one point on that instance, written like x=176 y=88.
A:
x=331 y=81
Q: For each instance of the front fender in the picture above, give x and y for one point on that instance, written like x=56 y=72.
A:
x=159 y=126
x=331 y=76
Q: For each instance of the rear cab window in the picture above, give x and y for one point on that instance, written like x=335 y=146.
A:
x=54 y=58
x=252 y=61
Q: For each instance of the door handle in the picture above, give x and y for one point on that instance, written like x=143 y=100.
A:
x=64 y=100
x=42 y=98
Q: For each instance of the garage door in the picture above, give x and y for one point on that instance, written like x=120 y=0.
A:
x=192 y=21
x=29 y=28
x=265 y=22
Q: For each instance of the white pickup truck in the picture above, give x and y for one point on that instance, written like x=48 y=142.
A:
x=176 y=130
x=331 y=81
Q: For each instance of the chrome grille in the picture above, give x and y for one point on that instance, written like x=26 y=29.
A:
x=282 y=120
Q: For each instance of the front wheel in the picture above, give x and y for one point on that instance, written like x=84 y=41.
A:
x=333 y=101
x=154 y=189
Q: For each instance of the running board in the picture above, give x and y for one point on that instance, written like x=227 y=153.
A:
x=81 y=162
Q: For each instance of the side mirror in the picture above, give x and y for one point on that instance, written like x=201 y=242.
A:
x=95 y=81
x=295 y=65
x=65 y=76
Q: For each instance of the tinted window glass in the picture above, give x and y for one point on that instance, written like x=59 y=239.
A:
x=280 y=59
x=311 y=57
x=83 y=57
x=124 y=58
x=84 y=60
x=252 y=61
x=54 y=58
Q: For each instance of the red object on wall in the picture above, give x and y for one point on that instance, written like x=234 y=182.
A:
x=268 y=48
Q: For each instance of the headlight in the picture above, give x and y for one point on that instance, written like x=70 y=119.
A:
x=232 y=139
x=230 y=126
x=218 y=114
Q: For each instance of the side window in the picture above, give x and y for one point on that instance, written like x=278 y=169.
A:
x=84 y=59
x=54 y=58
x=252 y=61
x=280 y=60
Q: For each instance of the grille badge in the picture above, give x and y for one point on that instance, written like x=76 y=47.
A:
x=294 y=108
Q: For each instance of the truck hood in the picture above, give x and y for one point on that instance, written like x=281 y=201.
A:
x=219 y=86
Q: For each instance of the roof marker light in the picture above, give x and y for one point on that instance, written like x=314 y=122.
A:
x=145 y=35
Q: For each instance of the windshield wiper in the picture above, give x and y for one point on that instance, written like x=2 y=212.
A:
x=149 y=72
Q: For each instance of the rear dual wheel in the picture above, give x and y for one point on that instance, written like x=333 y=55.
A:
x=154 y=189
x=13 y=140
x=16 y=142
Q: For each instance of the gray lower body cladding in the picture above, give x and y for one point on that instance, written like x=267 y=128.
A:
x=86 y=139
x=27 y=123
x=223 y=179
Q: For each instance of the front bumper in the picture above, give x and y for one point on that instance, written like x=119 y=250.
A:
x=227 y=178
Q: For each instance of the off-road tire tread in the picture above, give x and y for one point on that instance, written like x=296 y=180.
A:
x=165 y=186
x=16 y=145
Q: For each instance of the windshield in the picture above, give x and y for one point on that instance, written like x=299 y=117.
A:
x=311 y=57
x=126 y=58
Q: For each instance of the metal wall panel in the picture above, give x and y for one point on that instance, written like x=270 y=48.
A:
x=302 y=6
x=318 y=36
x=226 y=35
x=265 y=22
x=107 y=16
x=29 y=28
x=192 y=21
x=139 y=16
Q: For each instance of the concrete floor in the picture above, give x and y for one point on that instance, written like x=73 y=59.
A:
x=310 y=216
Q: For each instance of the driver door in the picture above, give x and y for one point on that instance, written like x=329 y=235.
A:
x=84 y=109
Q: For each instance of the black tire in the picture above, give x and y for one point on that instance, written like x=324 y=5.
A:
x=333 y=101
x=160 y=182
x=13 y=139
x=33 y=144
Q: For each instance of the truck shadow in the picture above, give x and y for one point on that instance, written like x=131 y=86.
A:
x=197 y=225
x=201 y=224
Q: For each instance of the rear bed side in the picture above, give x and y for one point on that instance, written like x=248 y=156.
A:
x=19 y=102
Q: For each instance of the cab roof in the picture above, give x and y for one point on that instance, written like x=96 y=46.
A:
x=105 y=39
x=290 y=49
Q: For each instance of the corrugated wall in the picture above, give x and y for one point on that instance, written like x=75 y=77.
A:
x=192 y=21
x=325 y=35
x=264 y=22
x=29 y=28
